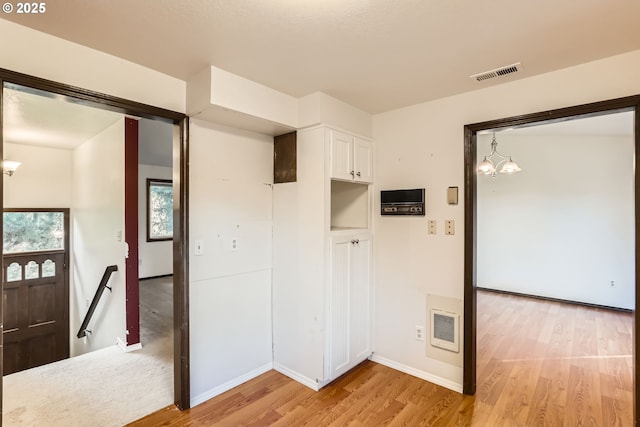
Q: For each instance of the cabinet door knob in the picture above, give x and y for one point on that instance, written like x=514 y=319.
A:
x=357 y=242
x=352 y=172
x=353 y=241
x=358 y=174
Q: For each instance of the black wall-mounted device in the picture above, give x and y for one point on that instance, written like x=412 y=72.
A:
x=402 y=202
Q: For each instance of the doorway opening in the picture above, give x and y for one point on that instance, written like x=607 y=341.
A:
x=179 y=123
x=471 y=132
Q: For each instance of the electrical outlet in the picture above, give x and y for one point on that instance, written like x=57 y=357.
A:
x=450 y=227
x=235 y=244
x=432 y=226
x=613 y=283
x=419 y=333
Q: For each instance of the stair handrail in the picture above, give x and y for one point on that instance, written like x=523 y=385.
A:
x=96 y=298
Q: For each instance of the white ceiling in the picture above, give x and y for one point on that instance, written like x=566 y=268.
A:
x=37 y=118
x=374 y=54
x=377 y=55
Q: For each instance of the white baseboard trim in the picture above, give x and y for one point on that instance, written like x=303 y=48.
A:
x=313 y=385
x=203 y=397
x=128 y=348
x=417 y=373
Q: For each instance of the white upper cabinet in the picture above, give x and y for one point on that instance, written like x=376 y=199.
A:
x=351 y=158
x=363 y=160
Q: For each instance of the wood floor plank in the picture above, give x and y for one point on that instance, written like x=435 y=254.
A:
x=539 y=363
x=580 y=406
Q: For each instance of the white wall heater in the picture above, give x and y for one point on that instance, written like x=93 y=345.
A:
x=445 y=330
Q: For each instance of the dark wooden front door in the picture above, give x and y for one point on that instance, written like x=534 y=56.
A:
x=36 y=307
x=35 y=287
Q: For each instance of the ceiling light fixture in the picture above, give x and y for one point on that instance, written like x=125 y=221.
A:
x=504 y=163
x=9 y=167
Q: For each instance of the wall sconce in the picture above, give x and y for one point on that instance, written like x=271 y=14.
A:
x=9 y=167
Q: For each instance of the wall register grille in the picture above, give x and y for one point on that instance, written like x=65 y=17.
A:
x=445 y=330
x=498 y=72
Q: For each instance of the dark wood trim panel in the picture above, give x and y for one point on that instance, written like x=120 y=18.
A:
x=285 y=160
x=182 y=367
x=559 y=115
x=1 y=246
x=469 y=341
x=636 y=320
x=180 y=159
x=629 y=103
x=131 y=207
x=91 y=98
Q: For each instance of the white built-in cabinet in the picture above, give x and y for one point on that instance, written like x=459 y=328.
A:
x=351 y=158
x=349 y=302
x=322 y=259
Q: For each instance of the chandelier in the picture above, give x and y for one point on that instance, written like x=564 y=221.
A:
x=496 y=163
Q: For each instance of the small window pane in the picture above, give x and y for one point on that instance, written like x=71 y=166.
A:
x=48 y=268
x=14 y=272
x=31 y=270
x=160 y=209
x=33 y=231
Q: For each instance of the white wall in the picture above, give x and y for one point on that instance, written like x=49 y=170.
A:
x=66 y=62
x=422 y=146
x=43 y=180
x=155 y=258
x=97 y=233
x=231 y=176
x=562 y=228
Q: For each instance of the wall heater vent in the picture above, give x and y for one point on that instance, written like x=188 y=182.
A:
x=445 y=330
x=498 y=72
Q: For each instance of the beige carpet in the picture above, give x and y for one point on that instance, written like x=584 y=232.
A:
x=103 y=388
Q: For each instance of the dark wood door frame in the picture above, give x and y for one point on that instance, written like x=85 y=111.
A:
x=630 y=103
x=180 y=190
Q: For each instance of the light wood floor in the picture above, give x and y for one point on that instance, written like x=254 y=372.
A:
x=539 y=364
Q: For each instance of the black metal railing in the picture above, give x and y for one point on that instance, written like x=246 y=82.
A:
x=103 y=284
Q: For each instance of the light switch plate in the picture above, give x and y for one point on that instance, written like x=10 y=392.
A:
x=432 y=226
x=198 y=247
x=452 y=195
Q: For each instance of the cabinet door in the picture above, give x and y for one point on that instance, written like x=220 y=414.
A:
x=360 y=299
x=341 y=155
x=350 y=298
x=363 y=160
x=338 y=351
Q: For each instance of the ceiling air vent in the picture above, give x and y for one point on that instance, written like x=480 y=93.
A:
x=498 y=72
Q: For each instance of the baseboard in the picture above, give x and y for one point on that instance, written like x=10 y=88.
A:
x=564 y=301
x=417 y=373
x=128 y=348
x=313 y=385
x=203 y=397
x=155 y=277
